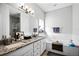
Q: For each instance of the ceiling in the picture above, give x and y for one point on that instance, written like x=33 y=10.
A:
x=46 y=7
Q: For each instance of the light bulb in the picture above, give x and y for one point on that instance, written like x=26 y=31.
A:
x=32 y=11
x=25 y=7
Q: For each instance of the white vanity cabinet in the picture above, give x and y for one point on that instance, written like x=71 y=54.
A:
x=39 y=47
x=27 y=50
x=71 y=51
x=33 y=49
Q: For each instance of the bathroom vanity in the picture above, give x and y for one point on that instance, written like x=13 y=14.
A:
x=31 y=47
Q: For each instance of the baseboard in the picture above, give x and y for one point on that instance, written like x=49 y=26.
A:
x=56 y=53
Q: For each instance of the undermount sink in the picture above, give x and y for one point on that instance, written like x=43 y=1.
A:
x=27 y=37
x=26 y=41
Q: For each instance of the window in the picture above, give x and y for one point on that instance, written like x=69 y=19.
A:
x=41 y=25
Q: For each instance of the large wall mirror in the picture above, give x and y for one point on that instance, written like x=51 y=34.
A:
x=14 y=17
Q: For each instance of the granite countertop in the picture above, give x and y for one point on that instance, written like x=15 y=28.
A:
x=4 y=49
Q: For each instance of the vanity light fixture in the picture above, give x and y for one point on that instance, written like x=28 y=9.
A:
x=26 y=9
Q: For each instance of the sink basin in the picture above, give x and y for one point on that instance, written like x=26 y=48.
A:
x=26 y=41
x=27 y=37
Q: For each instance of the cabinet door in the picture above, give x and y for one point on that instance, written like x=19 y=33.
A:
x=37 y=48
x=76 y=51
x=37 y=52
x=43 y=45
x=49 y=46
x=29 y=53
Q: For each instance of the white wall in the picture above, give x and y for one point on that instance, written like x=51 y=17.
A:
x=75 y=18
x=75 y=34
x=4 y=15
x=63 y=19
x=38 y=13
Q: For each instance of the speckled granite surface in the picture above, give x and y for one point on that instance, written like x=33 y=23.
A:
x=8 y=48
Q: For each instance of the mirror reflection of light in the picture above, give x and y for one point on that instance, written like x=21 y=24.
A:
x=41 y=24
x=20 y=4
